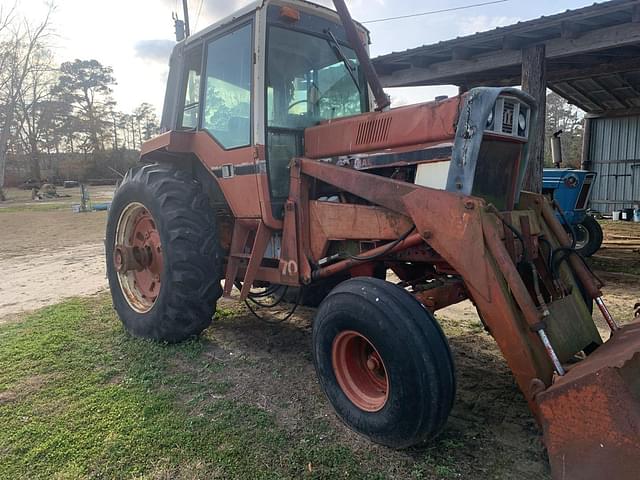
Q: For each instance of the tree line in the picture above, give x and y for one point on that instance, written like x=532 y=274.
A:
x=49 y=109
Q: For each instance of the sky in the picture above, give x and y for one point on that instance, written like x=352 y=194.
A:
x=135 y=37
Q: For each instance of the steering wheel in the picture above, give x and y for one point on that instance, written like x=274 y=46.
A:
x=302 y=101
x=296 y=103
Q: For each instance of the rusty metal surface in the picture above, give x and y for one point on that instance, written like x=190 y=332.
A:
x=411 y=241
x=340 y=221
x=442 y=296
x=591 y=416
x=240 y=191
x=425 y=123
x=289 y=262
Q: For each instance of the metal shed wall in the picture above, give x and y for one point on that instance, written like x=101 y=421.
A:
x=614 y=153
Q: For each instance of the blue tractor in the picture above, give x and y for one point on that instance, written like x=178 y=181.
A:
x=571 y=189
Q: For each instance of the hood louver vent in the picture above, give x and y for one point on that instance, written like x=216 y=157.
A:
x=373 y=131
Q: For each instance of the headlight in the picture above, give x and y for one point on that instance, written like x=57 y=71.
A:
x=571 y=181
x=522 y=121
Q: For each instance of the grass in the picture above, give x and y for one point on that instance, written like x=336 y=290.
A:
x=35 y=207
x=79 y=398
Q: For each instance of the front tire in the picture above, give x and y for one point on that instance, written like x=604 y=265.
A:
x=588 y=236
x=163 y=258
x=383 y=362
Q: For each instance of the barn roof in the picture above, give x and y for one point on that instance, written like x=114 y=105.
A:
x=593 y=57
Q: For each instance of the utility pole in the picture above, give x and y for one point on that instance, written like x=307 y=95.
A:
x=185 y=7
x=115 y=133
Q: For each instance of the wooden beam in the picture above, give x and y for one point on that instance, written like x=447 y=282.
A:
x=568 y=91
x=389 y=68
x=423 y=61
x=626 y=112
x=588 y=95
x=626 y=81
x=461 y=53
x=574 y=98
x=570 y=30
x=534 y=82
x=513 y=42
x=611 y=92
x=453 y=71
x=563 y=73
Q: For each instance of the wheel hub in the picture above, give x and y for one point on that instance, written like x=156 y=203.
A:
x=128 y=258
x=138 y=258
x=360 y=371
x=582 y=236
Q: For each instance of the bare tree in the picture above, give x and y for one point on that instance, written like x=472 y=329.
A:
x=36 y=106
x=18 y=41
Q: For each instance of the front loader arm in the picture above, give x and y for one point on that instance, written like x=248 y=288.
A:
x=460 y=228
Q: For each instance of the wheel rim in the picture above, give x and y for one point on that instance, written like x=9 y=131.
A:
x=138 y=257
x=582 y=236
x=360 y=371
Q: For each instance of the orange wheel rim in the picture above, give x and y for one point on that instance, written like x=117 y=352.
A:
x=360 y=371
x=137 y=232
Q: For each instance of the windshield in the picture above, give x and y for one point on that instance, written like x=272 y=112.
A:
x=308 y=81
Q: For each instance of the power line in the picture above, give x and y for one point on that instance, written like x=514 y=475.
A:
x=198 y=14
x=433 y=12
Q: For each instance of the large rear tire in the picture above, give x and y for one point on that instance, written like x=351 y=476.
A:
x=383 y=362
x=163 y=258
x=588 y=236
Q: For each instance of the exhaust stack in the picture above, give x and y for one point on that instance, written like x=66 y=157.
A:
x=382 y=100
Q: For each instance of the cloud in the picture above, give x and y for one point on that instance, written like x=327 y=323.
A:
x=204 y=14
x=154 y=50
x=482 y=23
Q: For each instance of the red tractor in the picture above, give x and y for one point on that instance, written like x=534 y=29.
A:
x=281 y=166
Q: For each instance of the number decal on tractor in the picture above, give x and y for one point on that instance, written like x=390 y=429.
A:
x=289 y=268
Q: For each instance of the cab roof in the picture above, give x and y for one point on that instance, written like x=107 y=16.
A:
x=256 y=5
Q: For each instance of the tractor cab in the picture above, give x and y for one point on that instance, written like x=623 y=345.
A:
x=260 y=78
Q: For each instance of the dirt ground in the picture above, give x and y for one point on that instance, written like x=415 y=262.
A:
x=48 y=253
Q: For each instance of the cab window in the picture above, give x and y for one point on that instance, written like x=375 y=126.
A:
x=188 y=118
x=310 y=78
x=227 y=90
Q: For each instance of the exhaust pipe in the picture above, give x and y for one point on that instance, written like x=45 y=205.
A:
x=382 y=100
x=556 y=149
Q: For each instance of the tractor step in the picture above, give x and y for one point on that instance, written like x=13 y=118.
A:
x=591 y=415
x=253 y=235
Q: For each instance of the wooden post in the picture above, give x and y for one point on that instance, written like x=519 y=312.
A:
x=534 y=82
x=586 y=143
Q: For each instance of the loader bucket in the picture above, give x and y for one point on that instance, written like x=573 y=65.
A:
x=591 y=415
